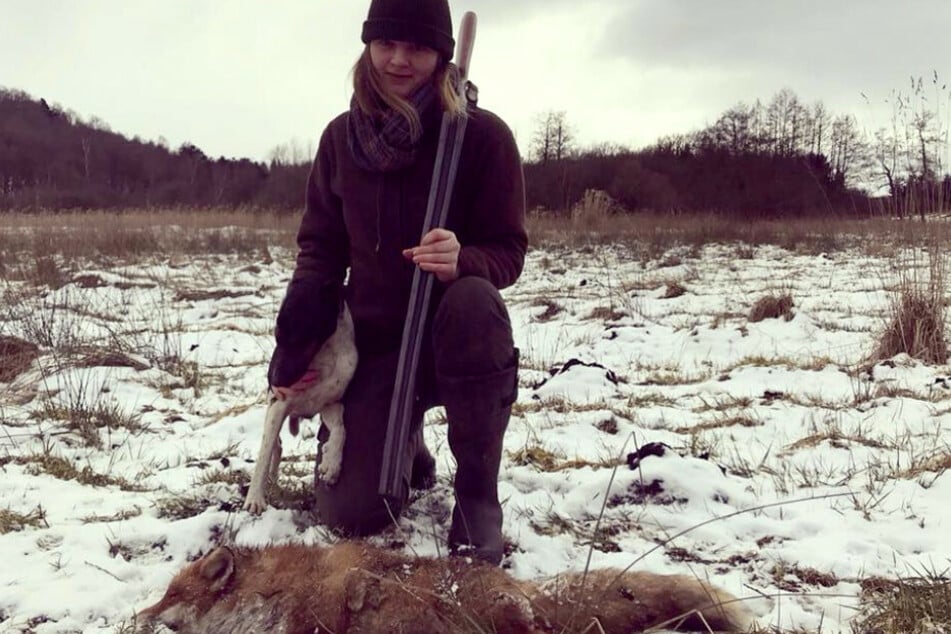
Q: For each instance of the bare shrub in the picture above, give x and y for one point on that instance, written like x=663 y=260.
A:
x=52 y=321
x=593 y=211
x=772 y=307
x=915 y=322
x=674 y=289
x=47 y=271
x=16 y=357
x=912 y=605
x=916 y=329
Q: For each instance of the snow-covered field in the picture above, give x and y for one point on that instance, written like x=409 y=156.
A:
x=792 y=469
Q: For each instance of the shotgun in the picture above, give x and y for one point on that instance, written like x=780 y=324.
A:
x=451 y=134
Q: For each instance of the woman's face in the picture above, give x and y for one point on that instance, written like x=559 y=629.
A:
x=403 y=66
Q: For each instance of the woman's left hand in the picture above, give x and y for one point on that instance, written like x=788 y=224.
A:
x=438 y=253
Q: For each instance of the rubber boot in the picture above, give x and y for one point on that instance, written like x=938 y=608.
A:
x=475 y=372
x=478 y=410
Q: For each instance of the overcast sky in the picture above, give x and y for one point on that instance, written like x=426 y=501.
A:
x=238 y=77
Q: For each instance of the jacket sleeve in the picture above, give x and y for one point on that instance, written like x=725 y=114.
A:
x=495 y=240
x=324 y=251
x=308 y=314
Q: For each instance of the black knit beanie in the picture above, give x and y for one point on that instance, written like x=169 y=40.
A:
x=425 y=22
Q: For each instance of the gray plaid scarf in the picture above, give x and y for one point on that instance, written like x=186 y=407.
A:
x=386 y=143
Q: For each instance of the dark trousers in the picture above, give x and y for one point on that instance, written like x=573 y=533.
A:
x=469 y=346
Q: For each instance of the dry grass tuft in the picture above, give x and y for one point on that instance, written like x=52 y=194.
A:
x=544 y=460
x=225 y=490
x=772 y=307
x=721 y=423
x=606 y=313
x=916 y=329
x=674 y=289
x=536 y=456
x=938 y=462
x=48 y=272
x=792 y=578
x=86 y=414
x=186 y=505
x=198 y=295
x=600 y=538
x=16 y=357
x=94 y=358
x=118 y=516
x=916 y=321
x=593 y=212
x=63 y=469
x=292 y=493
x=11 y=521
x=836 y=438
x=552 y=309
x=912 y=605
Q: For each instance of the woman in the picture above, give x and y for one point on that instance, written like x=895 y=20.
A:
x=365 y=204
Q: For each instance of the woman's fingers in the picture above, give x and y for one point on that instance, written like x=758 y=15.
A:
x=438 y=253
x=437 y=236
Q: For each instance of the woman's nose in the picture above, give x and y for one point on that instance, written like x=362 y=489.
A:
x=400 y=56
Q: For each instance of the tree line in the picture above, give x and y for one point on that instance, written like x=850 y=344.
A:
x=51 y=159
x=784 y=157
x=779 y=158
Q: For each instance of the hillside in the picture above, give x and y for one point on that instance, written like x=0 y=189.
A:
x=761 y=161
x=50 y=158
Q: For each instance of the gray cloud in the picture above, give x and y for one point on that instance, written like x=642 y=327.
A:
x=237 y=77
x=838 y=49
x=512 y=9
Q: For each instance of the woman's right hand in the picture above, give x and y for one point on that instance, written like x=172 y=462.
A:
x=310 y=377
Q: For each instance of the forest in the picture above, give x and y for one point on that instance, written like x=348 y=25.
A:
x=780 y=158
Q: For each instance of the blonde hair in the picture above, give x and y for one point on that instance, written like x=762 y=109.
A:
x=373 y=99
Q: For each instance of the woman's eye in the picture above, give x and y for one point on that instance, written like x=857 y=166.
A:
x=420 y=48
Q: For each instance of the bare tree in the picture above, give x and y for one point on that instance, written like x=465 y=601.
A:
x=279 y=155
x=553 y=139
x=294 y=152
x=784 y=121
x=819 y=123
x=87 y=148
x=846 y=146
x=886 y=151
x=736 y=131
x=925 y=141
x=910 y=154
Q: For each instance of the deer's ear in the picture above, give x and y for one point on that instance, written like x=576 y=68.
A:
x=218 y=567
